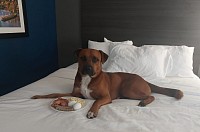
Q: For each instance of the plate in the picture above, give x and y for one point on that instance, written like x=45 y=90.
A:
x=68 y=108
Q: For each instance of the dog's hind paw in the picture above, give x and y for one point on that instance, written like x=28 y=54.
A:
x=141 y=104
x=91 y=115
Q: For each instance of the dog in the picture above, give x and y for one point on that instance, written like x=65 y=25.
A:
x=93 y=83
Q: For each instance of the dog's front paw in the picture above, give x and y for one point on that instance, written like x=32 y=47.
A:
x=37 y=97
x=91 y=115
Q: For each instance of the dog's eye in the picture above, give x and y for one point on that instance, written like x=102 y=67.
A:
x=83 y=58
x=94 y=59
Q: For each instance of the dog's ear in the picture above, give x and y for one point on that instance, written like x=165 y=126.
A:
x=76 y=53
x=104 y=56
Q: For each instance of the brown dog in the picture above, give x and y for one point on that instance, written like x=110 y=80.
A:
x=91 y=82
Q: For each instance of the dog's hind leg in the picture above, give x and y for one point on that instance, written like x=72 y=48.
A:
x=146 y=101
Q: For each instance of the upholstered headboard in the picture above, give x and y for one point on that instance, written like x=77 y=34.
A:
x=171 y=22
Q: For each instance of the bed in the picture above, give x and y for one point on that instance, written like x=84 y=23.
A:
x=19 y=113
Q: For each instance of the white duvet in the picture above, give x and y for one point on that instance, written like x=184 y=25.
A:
x=19 y=113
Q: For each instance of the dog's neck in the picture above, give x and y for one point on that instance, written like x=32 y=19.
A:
x=84 y=87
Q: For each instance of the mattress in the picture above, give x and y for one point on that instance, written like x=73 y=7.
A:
x=19 y=113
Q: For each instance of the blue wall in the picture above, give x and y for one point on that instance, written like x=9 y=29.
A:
x=27 y=59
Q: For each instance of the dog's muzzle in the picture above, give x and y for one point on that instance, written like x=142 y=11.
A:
x=88 y=70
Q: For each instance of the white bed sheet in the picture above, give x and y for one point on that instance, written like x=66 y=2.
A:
x=19 y=113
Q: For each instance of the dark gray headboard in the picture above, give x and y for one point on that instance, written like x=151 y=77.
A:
x=166 y=22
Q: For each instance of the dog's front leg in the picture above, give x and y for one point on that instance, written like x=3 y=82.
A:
x=54 y=95
x=75 y=93
x=92 y=113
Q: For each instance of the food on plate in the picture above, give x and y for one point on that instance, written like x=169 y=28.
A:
x=81 y=101
x=76 y=106
x=70 y=104
x=60 y=102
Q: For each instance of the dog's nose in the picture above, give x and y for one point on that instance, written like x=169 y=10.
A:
x=88 y=70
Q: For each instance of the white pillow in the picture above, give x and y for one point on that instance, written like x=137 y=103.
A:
x=148 y=62
x=182 y=60
x=129 y=42
x=104 y=46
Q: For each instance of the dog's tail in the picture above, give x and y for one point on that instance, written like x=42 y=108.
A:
x=178 y=94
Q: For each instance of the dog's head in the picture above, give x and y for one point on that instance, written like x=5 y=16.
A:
x=90 y=61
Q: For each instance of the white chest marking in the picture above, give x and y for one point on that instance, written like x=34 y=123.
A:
x=84 y=87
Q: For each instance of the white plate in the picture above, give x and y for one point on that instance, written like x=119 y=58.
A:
x=63 y=108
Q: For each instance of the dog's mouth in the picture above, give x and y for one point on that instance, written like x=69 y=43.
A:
x=88 y=70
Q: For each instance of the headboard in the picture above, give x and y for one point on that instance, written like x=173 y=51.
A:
x=170 y=22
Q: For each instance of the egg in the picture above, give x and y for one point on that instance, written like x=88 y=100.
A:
x=77 y=106
x=71 y=103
